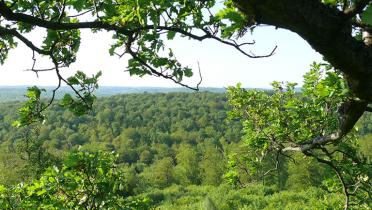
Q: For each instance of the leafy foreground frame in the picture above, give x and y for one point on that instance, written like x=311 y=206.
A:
x=339 y=29
x=285 y=121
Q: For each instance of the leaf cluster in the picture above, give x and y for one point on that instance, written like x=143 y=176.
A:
x=85 y=181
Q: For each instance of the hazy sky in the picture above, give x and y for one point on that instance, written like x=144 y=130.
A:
x=221 y=65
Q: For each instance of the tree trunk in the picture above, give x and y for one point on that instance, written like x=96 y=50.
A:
x=327 y=30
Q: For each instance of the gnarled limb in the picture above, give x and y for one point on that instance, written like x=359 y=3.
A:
x=350 y=111
x=327 y=29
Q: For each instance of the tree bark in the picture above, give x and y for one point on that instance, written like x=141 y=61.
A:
x=327 y=29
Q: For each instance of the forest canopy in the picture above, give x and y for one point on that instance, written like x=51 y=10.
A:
x=174 y=150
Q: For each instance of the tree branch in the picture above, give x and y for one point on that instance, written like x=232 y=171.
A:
x=157 y=73
x=317 y=141
x=349 y=113
x=28 y=43
x=340 y=177
x=276 y=165
x=19 y=17
x=326 y=29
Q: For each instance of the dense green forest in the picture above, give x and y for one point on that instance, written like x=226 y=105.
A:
x=172 y=150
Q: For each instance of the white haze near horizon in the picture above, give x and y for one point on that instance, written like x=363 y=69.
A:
x=221 y=65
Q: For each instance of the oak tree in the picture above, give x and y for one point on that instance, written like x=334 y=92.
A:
x=283 y=122
x=338 y=29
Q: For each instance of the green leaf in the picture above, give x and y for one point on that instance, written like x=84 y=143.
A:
x=367 y=15
x=73 y=80
x=2 y=188
x=66 y=100
x=331 y=2
x=171 y=35
x=16 y=123
x=78 y=5
x=41 y=192
x=188 y=72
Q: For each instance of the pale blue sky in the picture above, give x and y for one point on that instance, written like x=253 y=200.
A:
x=221 y=65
